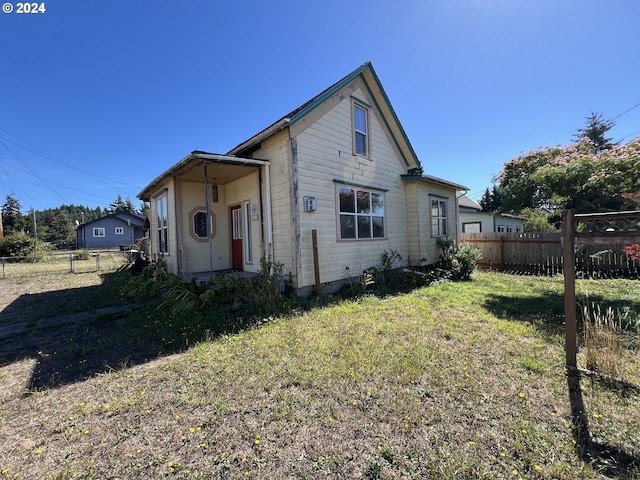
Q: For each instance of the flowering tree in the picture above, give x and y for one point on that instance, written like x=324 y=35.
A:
x=574 y=176
x=633 y=250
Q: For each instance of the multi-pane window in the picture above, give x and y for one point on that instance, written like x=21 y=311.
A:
x=119 y=230
x=438 y=217
x=361 y=213
x=98 y=232
x=360 y=131
x=162 y=225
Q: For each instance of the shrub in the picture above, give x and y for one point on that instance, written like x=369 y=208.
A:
x=82 y=254
x=20 y=245
x=148 y=283
x=457 y=262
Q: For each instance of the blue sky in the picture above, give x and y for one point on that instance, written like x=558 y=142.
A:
x=99 y=97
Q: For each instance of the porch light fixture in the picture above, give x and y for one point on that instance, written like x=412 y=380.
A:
x=214 y=191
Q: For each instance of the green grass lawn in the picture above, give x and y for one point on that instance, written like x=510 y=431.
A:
x=456 y=380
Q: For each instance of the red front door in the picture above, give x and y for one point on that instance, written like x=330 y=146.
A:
x=236 y=237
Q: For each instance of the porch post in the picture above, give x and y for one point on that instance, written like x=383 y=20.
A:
x=208 y=220
x=269 y=219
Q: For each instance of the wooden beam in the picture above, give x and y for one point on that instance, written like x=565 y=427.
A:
x=570 y=328
x=316 y=262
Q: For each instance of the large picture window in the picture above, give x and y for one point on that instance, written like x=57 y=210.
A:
x=361 y=214
x=162 y=225
x=438 y=218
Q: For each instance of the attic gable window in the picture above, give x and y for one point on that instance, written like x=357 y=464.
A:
x=360 y=130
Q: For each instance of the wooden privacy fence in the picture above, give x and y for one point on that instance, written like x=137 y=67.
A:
x=542 y=254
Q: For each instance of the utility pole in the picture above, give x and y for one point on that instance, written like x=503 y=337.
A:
x=35 y=232
x=1 y=228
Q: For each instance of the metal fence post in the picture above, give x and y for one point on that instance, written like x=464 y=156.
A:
x=71 y=262
x=2 y=267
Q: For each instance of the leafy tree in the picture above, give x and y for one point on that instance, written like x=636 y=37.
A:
x=595 y=131
x=575 y=176
x=491 y=200
x=12 y=218
x=538 y=221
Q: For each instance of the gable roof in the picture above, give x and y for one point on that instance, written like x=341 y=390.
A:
x=124 y=217
x=466 y=202
x=380 y=100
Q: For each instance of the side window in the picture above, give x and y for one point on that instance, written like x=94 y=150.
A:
x=162 y=226
x=98 y=232
x=360 y=130
x=438 y=218
x=246 y=209
x=119 y=230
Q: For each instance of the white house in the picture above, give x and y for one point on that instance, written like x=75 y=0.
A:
x=340 y=165
x=473 y=220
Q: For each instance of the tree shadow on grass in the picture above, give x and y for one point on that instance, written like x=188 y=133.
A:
x=546 y=312
x=610 y=460
x=77 y=350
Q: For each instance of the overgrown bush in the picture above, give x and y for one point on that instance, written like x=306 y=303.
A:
x=82 y=254
x=23 y=248
x=231 y=291
x=148 y=283
x=457 y=262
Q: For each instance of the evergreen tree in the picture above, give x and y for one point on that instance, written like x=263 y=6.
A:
x=13 y=219
x=491 y=200
x=595 y=131
x=118 y=205
x=60 y=228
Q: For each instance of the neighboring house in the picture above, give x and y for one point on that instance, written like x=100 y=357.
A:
x=113 y=231
x=473 y=220
x=340 y=165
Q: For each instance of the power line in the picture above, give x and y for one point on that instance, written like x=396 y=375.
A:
x=626 y=111
x=32 y=172
x=51 y=158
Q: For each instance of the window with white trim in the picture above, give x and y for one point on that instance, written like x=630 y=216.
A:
x=501 y=229
x=360 y=130
x=361 y=214
x=246 y=209
x=162 y=225
x=119 y=230
x=98 y=232
x=438 y=217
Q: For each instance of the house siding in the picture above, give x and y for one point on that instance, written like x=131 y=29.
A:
x=276 y=149
x=324 y=151
x=429 y=252
x=485 y=220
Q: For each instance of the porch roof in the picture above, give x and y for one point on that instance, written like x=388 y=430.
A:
x=188 y=168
